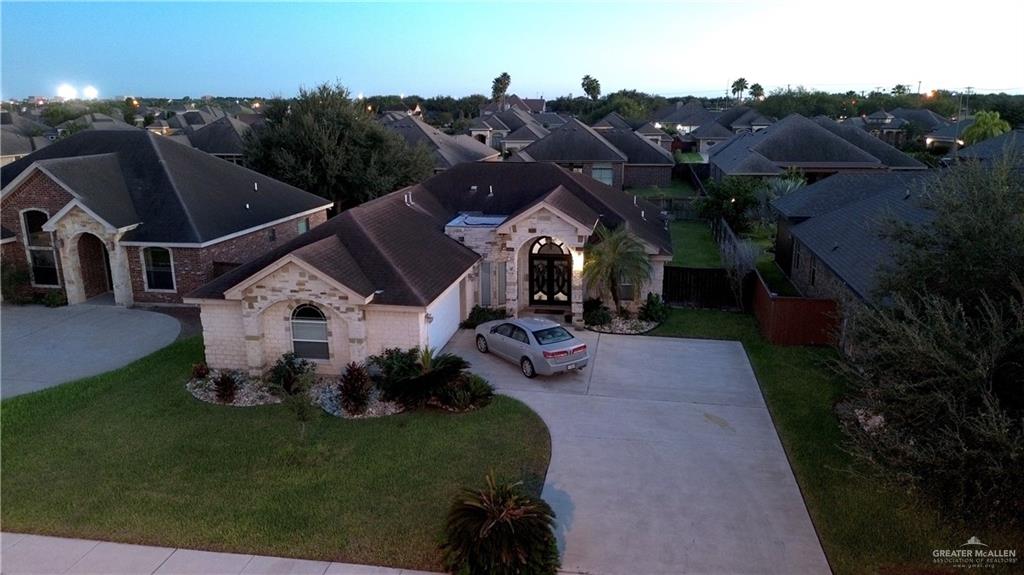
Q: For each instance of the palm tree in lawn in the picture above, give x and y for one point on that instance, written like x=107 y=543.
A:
x=986 y=125
x=616 y=258
x=738 y=87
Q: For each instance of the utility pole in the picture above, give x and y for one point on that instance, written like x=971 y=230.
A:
x=918 y=89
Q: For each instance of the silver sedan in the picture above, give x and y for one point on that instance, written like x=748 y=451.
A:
x=536 y=345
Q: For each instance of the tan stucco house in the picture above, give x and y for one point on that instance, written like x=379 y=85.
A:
x=403 y=270
x=140 y=216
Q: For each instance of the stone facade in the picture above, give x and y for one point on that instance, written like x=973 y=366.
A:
x=252 y=332
x=643 y=176
x=80 y=261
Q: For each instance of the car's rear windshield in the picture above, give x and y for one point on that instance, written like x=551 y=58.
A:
x=552 y=335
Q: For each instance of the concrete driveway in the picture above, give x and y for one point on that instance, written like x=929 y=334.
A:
x=664 y=460
x=44 y=347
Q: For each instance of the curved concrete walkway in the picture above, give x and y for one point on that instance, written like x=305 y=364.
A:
x=664 y=460
x=44 y=347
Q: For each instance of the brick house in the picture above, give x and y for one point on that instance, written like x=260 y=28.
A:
x=140 y=215
x=831 y=240
x=404 y=269
x=611 y=153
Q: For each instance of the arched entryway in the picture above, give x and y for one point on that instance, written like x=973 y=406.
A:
x=550 y=278
x=94 y=263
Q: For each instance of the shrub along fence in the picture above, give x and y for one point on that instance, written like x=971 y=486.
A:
x=794 y=320
x=678 y=208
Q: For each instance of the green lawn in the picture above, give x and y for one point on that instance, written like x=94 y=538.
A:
x=678 y=189
x=775 y=278
x=130 y=456
x=689 y=158
x=693 y=245
x=863 y=527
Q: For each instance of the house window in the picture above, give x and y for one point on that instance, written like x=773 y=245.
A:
x=309 y=333
x=159 y=269
x=303 y=225
x=626 y=290
x=603 y=173
x=485 y=284
x=39 y=244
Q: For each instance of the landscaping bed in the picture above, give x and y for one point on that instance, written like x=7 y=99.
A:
x=863 y=527
x=130 y=456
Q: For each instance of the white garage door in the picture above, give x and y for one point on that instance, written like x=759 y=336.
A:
x=445 y=311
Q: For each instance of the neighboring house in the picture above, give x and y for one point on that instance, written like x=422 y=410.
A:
x=550 y=120
x=617 y=157
x=882 y=125
x=223 y=137
x=494 y=129
x=949 y=136
x=142 y=216
x=92 y=121
x=404 y=269
x=706 y=129
x=193 y=119
x=815 y=148
x=656 y=135
x=837 y=234
x=683 y=117
x=612 y=121
x=20 y=136
x=447 y=151
x=1011 y=143
x=514 y=102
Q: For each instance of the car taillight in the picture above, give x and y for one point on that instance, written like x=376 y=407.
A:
x=579 y=348
x=555 y=354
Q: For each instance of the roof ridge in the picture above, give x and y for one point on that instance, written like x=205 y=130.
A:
x=386 y=256
x=174 y=185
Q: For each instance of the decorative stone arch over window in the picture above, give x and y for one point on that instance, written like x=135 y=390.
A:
x=268 y=324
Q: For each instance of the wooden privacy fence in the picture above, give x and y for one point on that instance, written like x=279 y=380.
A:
x=698 y=287
x=794 y=320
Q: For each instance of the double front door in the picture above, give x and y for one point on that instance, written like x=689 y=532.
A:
x=550 y=279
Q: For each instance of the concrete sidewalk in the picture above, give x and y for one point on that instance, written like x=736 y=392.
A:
x=35 y=554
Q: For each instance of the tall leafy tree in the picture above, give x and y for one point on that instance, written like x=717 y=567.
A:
x=617 y=257
x=591 y=87
x=326 y=144
x=756 y=91
x=986 y=125
x=499 y=87
x=738 y=87
x=899 y=90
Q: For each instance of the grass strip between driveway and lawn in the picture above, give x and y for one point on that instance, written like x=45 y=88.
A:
x=131 y=456
x=863 y=526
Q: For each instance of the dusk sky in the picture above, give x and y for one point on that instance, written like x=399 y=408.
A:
x=263 y=49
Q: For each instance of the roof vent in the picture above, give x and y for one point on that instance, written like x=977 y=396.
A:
x=835 y=247
x=490 y=191
x=408 y=198
x=247 y=205
x=642 y=216
x=906 y=196
x=255 y=186
x=634 y=200
x=472 y=189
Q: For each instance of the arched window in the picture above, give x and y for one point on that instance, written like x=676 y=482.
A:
x=548 y=246
x=309 y=333
x=159 y=269
x=42 y=257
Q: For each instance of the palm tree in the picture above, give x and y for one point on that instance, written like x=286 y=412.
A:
x=986 y=125
x=756 y=91
x=500 y=530
x=617 y=257
x=738 y=87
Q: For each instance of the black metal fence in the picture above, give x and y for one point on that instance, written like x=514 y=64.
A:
x=698 y=287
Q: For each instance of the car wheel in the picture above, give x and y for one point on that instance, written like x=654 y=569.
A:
x=481 y=344
x=527 y=366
